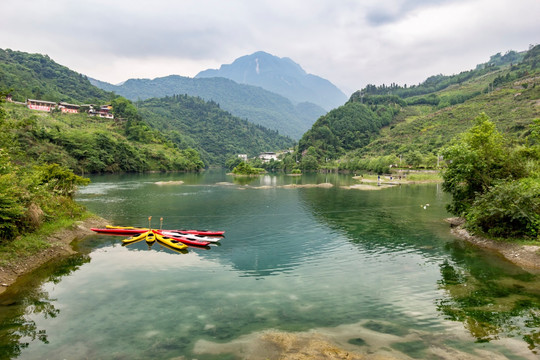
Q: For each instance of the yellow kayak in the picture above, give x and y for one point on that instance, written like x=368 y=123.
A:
x=135 y=238
x=171 y=243
x=150 y=237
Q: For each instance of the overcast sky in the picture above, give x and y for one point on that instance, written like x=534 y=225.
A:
x=352 y=43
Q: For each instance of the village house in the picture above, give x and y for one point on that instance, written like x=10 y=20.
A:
x=104 y=111
x=68 y=108
x=267 y=156
x=40 y=105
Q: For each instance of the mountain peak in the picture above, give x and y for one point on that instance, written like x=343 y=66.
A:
x=282 y=76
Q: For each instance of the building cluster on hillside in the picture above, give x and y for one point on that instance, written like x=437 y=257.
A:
x=265 y=156
x=104 y=111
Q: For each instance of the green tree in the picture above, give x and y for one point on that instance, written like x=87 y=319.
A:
x=59 y=180
x=476 y=160
x=509 y=209
x=245 y=169
x=123 y=108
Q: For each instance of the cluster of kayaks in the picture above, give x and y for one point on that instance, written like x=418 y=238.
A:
x=173 y=239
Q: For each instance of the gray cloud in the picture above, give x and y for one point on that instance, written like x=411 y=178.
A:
x=349 y=42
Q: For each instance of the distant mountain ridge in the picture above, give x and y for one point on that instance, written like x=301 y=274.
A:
x=253 y=103
x=282 y=76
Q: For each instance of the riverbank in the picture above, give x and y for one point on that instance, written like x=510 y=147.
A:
x=525 y=256
x=59 y=245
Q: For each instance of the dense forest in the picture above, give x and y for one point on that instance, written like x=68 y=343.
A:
x=36 y=76
x=253 y=103
x=192 y=122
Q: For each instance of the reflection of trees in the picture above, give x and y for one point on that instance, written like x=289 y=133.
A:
x=385 y=220
x=26 y=298
x=244 y=180
x=490 y=300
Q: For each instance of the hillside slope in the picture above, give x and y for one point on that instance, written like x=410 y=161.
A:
x=87 y=144
x=36 y=76
x=427 y=116
x=253 y=103
x=218 y=135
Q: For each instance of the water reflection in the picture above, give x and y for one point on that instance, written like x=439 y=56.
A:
x=384 y=221
x=26 y=298
x=491 y=301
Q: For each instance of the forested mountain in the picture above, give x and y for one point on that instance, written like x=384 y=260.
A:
x=36 y=76
x=253 y=103
x=192 y=122
x=282 y=76
x=410 y=125
x=128 y=143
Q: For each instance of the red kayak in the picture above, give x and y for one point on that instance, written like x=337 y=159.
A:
x=183 y=240
x=132 y=230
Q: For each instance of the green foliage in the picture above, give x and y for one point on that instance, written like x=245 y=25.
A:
x=36 y=76
x=11 y=209
x=87 y=144
x=233 y=162
x=475 y=162
x=348 y=127
x=59 y=180
x=494 y=186
x=259 y=106
x=440 y=82
x=216 y=134
x=30 y=195
x=509 y=209
x=426 y=117
x=123 y=108
x=245 y=169
x=379 y=164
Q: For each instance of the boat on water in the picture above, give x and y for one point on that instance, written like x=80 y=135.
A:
x=161 y=236
x=128 y=230
x=150 y=237
x=135 y=238
x=211 y=239
x=170 y=242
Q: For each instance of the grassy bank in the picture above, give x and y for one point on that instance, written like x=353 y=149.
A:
x=30 y=244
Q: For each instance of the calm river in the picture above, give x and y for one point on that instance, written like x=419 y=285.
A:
x=370 y=272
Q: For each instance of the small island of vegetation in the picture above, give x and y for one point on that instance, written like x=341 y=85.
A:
x=244 y=169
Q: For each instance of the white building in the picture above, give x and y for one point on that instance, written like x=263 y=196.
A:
x=267 y=156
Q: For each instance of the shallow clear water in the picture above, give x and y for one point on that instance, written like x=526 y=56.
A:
x=373 y=271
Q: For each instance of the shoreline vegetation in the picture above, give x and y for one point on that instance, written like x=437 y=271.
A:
x=55 y=244
x=525 y=256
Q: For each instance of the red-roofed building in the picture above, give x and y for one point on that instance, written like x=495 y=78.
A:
x=40 y=105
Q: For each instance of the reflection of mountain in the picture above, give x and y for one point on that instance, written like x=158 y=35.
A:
x=384 y=221
x=26 y=297
x=490 y=300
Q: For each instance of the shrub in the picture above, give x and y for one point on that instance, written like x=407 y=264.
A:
x=509 y=209
x=245 y=169
x=59 y=180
